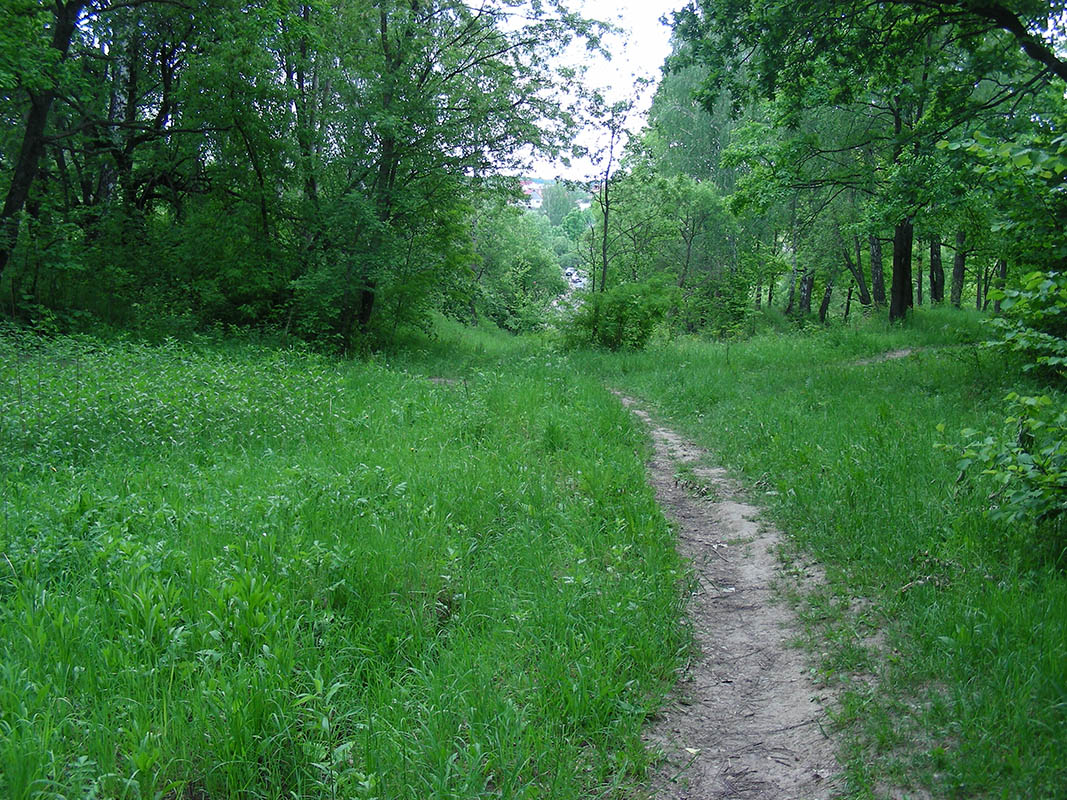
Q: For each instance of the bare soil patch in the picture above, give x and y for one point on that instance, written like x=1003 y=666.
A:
x=745 y=720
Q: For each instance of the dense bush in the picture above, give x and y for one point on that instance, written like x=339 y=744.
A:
x=621 y=318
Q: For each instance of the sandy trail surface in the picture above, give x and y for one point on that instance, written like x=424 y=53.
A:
x=746 y=720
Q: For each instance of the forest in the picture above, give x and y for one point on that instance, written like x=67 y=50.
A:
x=312 y=482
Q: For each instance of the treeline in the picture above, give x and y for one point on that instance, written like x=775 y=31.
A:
x=319 y=167
x=333 y=169
x=820 y=155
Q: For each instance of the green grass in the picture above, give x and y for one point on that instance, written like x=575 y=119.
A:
x=244 y=572
x=234 y=571
x=961 y=619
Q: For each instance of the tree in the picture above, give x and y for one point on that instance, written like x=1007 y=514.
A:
x=684 y=137
x=860 y=92
x=35 y=70
x=1027 y=457
x=611 y=119
x=516 y=273
x=309 y=164
x=558 y=202
x=1034 y=25
x=453 y=90
x=937 y=271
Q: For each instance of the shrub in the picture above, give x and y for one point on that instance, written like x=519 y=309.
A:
x=1035 y=322
x=1027 y=458
x=621 y=318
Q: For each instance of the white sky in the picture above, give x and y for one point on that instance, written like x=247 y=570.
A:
x=639 y=51
x=642 y=46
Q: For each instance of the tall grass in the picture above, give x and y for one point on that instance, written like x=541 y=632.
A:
x=244 y=572
x=947 y=630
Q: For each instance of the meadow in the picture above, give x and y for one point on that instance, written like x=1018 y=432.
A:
x=239 y=571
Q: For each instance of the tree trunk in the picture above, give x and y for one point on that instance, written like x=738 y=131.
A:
x=900 y=298
x=688 y=259
x=33 y=138
x=606 y=208
x=848 y=302
x=366 y=305
x=937 y=271
x=877 y=275
x=862 y=280
x=793 y=274
x=770 y=293
x=959 y=263
x=604 y=198
x=824 y=306
x=1002 y=280
x=306 y=107
x=919 y=273
x=807 y=284
x=857 y=272
x=792 y=283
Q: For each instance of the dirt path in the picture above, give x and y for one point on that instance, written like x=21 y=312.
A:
x=745 y=721
x=890 y=355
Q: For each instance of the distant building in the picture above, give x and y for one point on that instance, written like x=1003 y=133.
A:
x=534 y=193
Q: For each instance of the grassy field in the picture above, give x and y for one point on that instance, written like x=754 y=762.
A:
x=233 y=571
x=945 y=630
x=229 y=570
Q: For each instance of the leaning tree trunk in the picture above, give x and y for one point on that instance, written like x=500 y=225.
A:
x=857 y=272
x=959 y=263
x=848 y=303
x=877 y=275
x=983 y=294
x=937 y=271
x=901 y=298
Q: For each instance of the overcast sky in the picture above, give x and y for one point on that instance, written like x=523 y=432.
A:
x=642 y=47
x=639 y=51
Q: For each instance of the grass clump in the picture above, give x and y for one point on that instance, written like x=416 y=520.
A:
x=959 y=616
x=248 y=572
